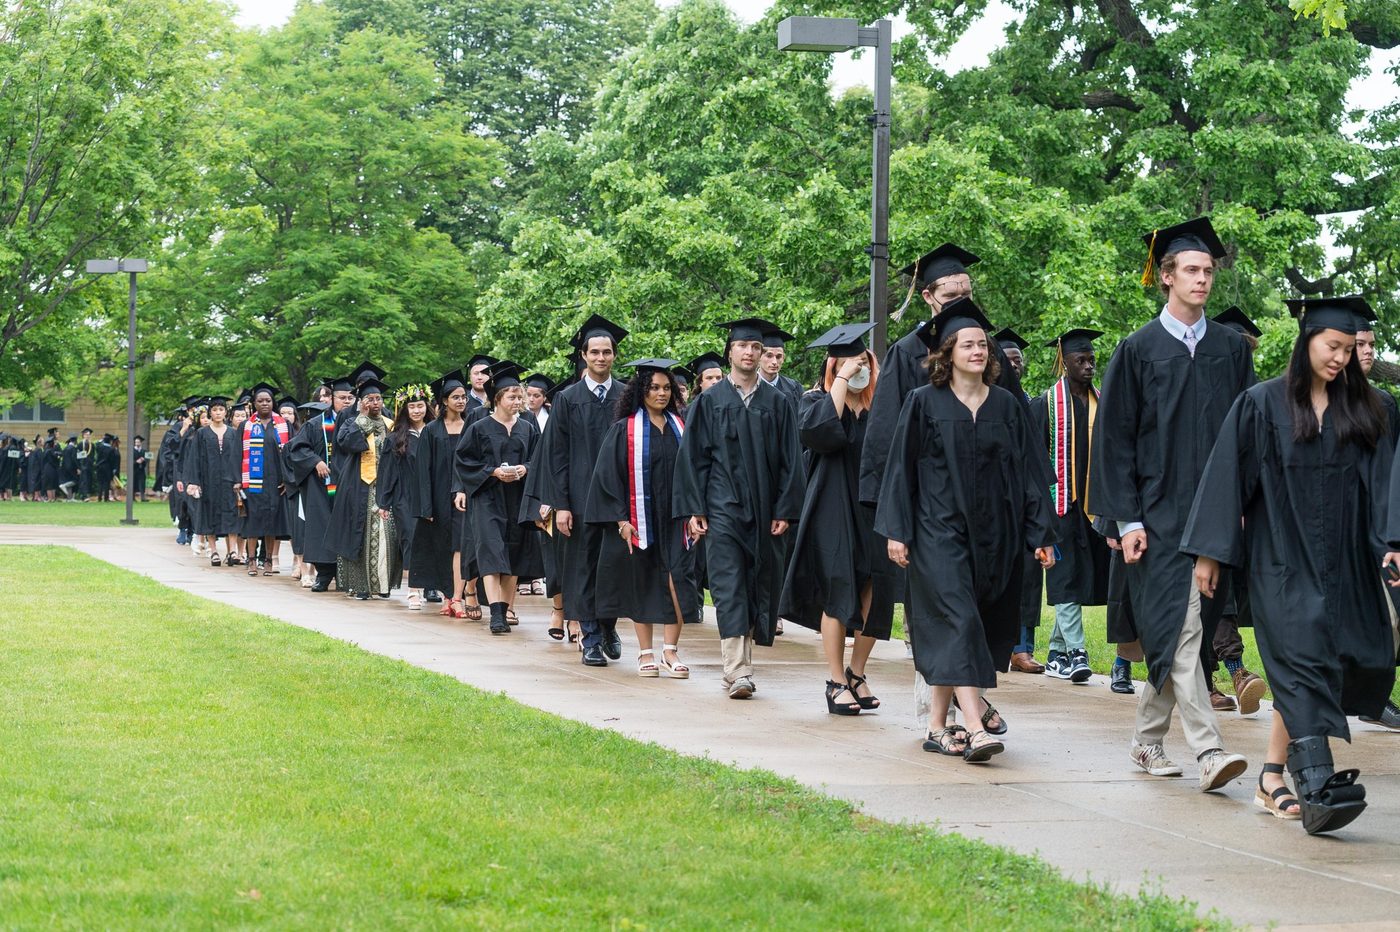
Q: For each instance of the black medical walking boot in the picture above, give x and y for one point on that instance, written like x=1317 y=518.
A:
x=1330 y=798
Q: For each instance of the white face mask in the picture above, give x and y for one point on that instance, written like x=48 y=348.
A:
x=860 y=380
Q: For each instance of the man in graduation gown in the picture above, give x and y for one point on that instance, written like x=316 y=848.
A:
x=770 y=365
x=567 y=454
x=1013 y=345
x=1063 y=420
x=86 y=456
x=68 y=468
x=478 y=374
x=105 y=467
x=1165 y=395
x=739 y=482
x=311 y=457
x=362 y=531
x=140 y=457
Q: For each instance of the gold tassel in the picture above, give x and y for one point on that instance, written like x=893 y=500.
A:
x=913 y=283
x=1151 y=261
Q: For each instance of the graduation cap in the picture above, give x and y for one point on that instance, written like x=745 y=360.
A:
x=652 y=364
x=1192 y=236
x=320 y=407
x=340 y=383
x=139 y=437
x=541 y=381
x=261 y=387
x=54 y=430
x=213 y=400
x=480 y=359
x=504 y=374
x=1008 y=337
x=843 y=340
x=1078 y=340
x=957 y=315
x=748 y=329
x=1348 y=314
x=705 y=361
x=370 y=386
x=946 y=260
x=597 y=326
x=550 y=393
x=191 y=401
x=366 y=370
x=244 y=397
x=285 y=403
x=683 y=375
x=776 y=337
x=1237 y=320
x=445 y=385
x=72 y=438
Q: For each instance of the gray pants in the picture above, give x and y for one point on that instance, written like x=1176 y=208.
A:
x=1185 y=689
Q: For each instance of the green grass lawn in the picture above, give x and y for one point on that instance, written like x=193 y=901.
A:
x=84 y=514
x=173 y=762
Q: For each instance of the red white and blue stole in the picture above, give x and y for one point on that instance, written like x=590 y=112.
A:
x=1064 y=492
x=639 y=472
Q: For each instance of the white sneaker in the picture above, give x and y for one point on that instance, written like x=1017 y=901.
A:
x=1219 y=768
x=1153 y=759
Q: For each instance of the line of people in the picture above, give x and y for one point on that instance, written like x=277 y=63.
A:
x=79 y=470
x=1183 y=493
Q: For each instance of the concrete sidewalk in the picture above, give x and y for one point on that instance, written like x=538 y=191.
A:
x=1064 y=790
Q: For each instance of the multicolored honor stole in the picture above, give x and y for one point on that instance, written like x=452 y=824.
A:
x=639 y=471
x=1065 y=491
x=328 y=425
x=254 y=439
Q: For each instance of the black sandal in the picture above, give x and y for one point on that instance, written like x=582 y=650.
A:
x=987 y=717
x=252 y=569
x=834 y=689
x=950 y=741
x=1276 y=803
x=214 y=559
x=854 y=683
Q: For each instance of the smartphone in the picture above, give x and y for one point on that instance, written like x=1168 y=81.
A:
x=1392 y=572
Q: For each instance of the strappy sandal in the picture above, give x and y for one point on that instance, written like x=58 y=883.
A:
x=454 y=609
x=834 y=689
x=469 y=612
x=215 y=561
x=1278 y=802
x=950 y=741
x=269 y=569
x=556 y=624
x=976 y=753
x=987 y=717
x=648 y=668
x=854 y=683
x=252 y=569
x=415 y=602
x=512 y=618
x=677 y=670
x=523 y=589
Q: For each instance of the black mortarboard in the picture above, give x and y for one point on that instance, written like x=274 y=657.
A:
x=776 y=337
x=244 y=397
x=214 y=400
x=140 y=438
x=191 y=401
x=340 y=383
x=261 y=387
x=480 y=359
x=444 y=385
x=1078 y=340
x=597 y=326
x=944 y=261
x=652 y=364
x=1348 y=314
x=541 y=381
x=1008 y=337
x=562 y=385
x=683 y=375
x=748 y=328
x=1237 y=320
x=957 y=315
x=370 y=386
x=285 y=403
x=54 y=430
x=366 y=370
x=505 y=374
x=843 y=340
x=1192 y=236
x=317 y=406
x=704 y=361
x=72 y=438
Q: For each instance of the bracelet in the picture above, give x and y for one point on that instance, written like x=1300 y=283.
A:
x=842 y=378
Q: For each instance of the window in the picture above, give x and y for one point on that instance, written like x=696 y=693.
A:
x=42 y=413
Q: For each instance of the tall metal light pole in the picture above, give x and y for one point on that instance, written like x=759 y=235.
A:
x=832 y=34
x=132 y=267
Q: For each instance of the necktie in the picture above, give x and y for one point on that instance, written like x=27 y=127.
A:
x=602 y=393
x=1190 y=340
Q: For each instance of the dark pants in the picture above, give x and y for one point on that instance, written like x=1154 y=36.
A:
x=595 y=629
x=325 y=572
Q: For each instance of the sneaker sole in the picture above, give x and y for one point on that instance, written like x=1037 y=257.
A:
x=740 y=692
x=1055 y=675
x=1081 y=676
x=1249 y=697
x=1227 y=773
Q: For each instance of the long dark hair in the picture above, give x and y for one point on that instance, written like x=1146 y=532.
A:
x=1356 y=412
x=399 y=433
x=636 y=392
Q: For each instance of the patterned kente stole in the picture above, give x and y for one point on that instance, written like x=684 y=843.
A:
x=254 y=452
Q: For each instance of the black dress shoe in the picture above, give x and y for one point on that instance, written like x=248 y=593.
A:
x=593 y=657
x=432 y=595
x=1390 y=717
x=361 y=596
x=320 y=586
x=501 y=626
x=1122 y=680
x=612 y=645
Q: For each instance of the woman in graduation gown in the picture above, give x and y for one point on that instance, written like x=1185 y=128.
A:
x=263 y=478
x=645 y=555
x=398 y=487
x=434 y=563
x=840 y=580
x=296 y=525
x=211 y=474
x=491 y=466
x=961 y=501
x=1295 y=491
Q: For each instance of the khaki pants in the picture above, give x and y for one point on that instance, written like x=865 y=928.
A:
x=1185 y=689
x=738 y=657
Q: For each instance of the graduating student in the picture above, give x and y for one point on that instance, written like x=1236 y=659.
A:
x=538 y=387
x=291 y=503
x=140 y=460
x=87 y=457
x=962 y=500
x=770 y=365
x=311 y=457
x=1063 y=423
x=263 y=480
x=105 y=467
x=478 y=374
x=739 y=481
x=1165 y=395
x=491 y=467
x=210 y=473
x=238 y=413
x=435 y=562
x=840 y=581
x=552 y=545
x=362 y=530
x=398 y=486
x=1013 y=345
x=68 y=468
x=645 y=554
x=708 y=369
x=1296 y=492
x=10 y=456
x=582 y=415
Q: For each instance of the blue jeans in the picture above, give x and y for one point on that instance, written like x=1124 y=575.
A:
x=1068 y=633
x=1027 y=645
x=594 y=630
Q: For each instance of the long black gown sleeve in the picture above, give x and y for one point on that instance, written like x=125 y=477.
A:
x=1113 y=488
x=1215 y=526
x=894 y=518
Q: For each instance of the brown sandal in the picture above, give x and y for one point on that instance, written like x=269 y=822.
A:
x=470 y=612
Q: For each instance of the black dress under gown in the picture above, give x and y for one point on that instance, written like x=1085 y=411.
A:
x=398 y=489
x=439 y=523
x=501 y=544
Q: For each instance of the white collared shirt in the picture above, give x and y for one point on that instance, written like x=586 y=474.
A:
x=593 y=386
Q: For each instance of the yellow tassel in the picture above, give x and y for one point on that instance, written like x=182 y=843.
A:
x=1151 y=260
x=1058 y=371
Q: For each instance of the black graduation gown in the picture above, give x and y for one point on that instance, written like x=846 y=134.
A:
x=1313 y=536
x=265 y=512
x=551 y=542
x=166 y=471
x=398 y=489
x=640 y=581
x=87 y=458
x=1080 y=575
x=500 y=542
x=10 y=457
x=791 y=388
x=68 y=464
x=301 y=455
x=52 y=464
x=463 y=543
x=214 y=465
x=835 y=549
x=966 y=496
x=345 y=534
x=1160 y=411
x=741 y=468
x=140 y=460
x=104 y=467
x=577 y=425
x=439 y=523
